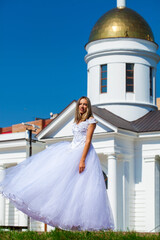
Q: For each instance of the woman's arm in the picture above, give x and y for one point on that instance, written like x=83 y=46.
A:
x=90 y=131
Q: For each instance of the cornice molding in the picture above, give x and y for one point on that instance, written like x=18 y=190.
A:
x=129 y=52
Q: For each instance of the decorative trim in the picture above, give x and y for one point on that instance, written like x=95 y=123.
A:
x=127 y=103
x=150 y=158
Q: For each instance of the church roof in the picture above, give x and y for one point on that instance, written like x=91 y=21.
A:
x=148 y=123
x=112 y=118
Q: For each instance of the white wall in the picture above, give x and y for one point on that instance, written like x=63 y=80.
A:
x=146 y=181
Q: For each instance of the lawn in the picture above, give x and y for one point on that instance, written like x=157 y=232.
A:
x=65 y=235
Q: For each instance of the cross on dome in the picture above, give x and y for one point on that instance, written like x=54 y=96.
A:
x=121 y=3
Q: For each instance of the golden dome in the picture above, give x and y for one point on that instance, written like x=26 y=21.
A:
x=121 y=23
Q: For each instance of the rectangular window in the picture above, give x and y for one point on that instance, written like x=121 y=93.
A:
x=151 y=82
x=104 y=78
x=129 y=77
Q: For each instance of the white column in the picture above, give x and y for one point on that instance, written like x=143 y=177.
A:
x=2 y=201
x=112 y=185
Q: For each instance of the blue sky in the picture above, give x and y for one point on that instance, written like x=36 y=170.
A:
x=42 y=67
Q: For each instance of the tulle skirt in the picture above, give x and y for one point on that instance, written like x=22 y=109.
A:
x=49 y=188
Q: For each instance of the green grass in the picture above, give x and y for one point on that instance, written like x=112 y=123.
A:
x=65 y=235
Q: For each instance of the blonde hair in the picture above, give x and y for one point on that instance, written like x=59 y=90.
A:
x=87 y=114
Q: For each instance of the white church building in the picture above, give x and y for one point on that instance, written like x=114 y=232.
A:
x=121 y=84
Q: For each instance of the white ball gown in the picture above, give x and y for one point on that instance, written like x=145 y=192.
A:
x=49 y=188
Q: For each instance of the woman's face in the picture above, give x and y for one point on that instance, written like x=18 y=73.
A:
x=82 y=106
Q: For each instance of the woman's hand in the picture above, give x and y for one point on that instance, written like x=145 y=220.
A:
x=81 y=166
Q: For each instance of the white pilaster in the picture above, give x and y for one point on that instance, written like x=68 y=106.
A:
x=150 y=195
x=2 y=202
x=112 y=185
x=154 y=86
x=157 y=193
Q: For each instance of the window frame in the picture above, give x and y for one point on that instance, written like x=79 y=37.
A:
x=103 y=86
x=151 y=81
x=128 y=70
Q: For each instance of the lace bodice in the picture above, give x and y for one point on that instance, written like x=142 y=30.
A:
x=80 y=132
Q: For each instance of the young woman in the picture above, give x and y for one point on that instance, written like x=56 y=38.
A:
x=63 y=186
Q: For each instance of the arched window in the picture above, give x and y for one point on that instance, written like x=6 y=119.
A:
x=104 y=78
